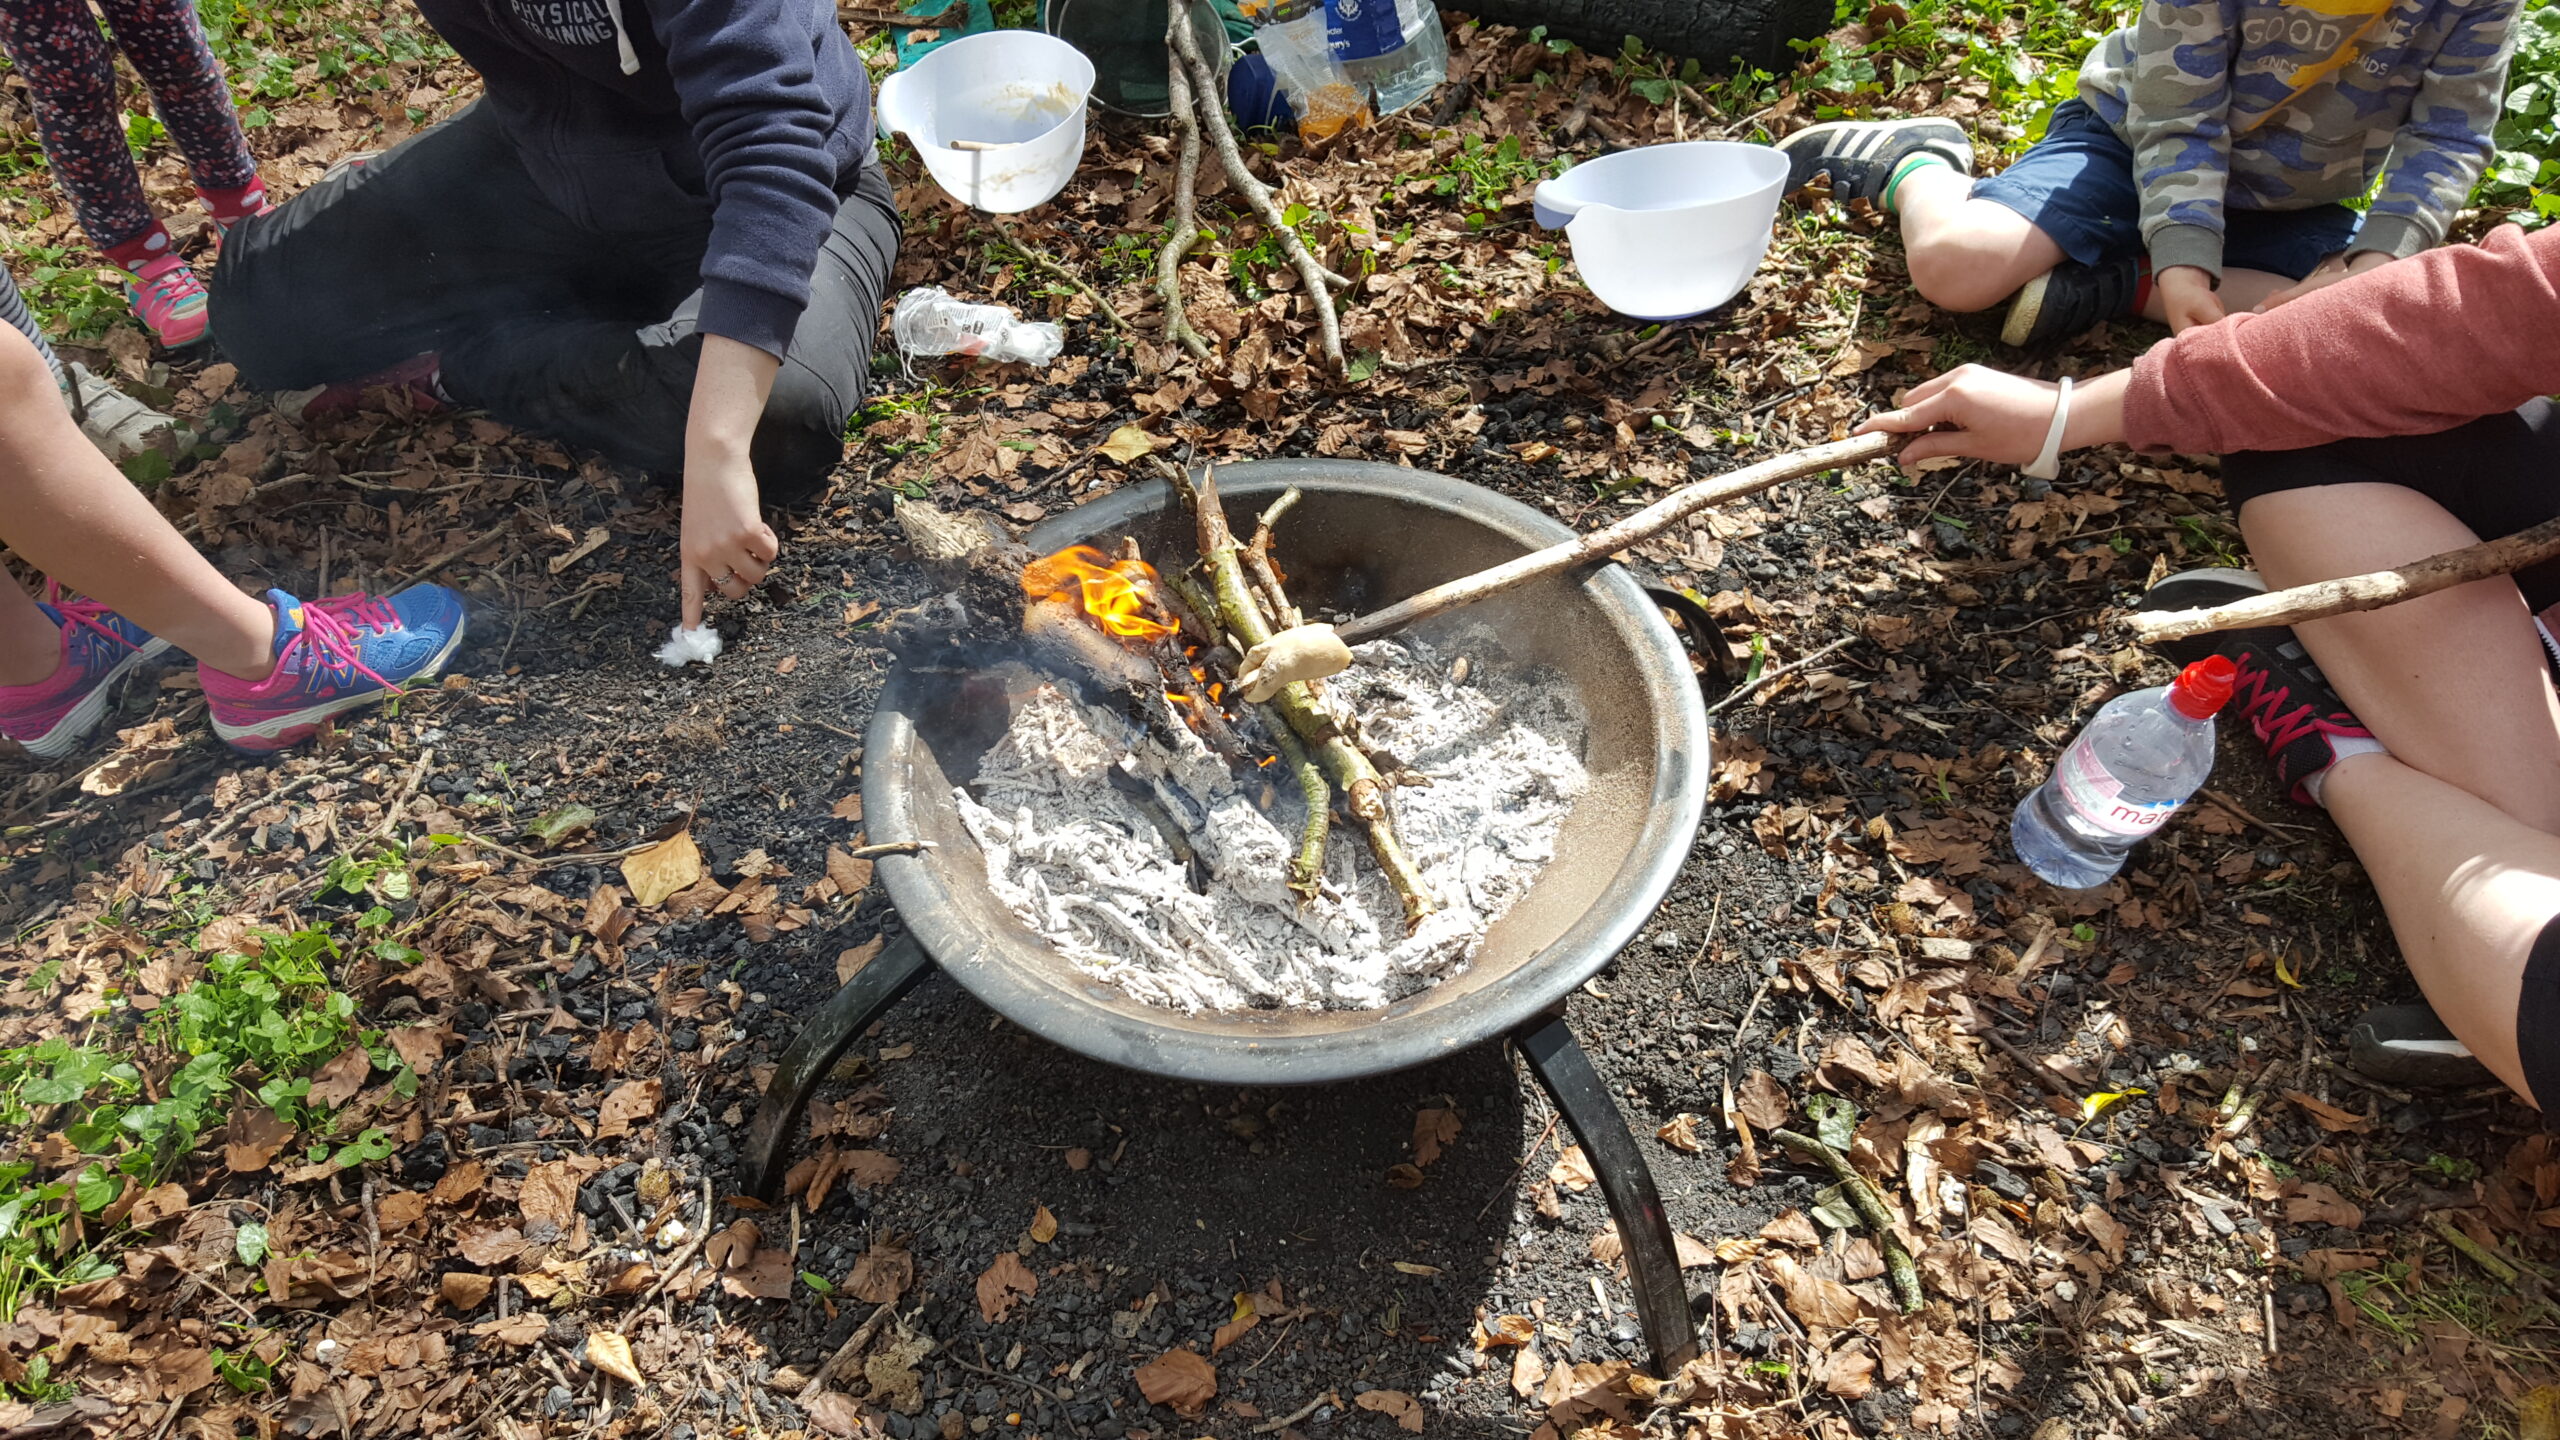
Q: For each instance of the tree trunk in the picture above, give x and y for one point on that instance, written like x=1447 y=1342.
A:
x=1715 y=33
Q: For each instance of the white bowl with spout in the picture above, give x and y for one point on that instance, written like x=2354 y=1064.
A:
x=997 y=117
x=1667 y=231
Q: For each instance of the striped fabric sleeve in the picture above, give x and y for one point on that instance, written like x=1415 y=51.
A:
x=13 y=308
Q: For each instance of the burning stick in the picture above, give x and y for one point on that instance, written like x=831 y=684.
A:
x=1308 y=867
x=1361 y=784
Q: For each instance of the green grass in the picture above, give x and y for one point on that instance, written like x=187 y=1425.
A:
x=251 y=1029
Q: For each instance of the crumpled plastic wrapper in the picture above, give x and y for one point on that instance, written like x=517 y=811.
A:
x=689 y=647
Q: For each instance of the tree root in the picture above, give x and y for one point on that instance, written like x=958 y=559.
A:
x=1318 y=281
x=1186 y=207
x=1870 y=1207
x=1363 y=788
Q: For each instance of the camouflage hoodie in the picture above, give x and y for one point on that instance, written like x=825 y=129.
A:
x=2287 y=104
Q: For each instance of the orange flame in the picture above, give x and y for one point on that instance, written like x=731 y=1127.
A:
x=1114 y=592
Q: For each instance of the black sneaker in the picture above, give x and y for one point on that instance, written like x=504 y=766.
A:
x=2407 y=1046
x=2070 y=299
x=1860 y=155
x=2284 y=697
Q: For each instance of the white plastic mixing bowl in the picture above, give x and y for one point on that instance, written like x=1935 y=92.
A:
x=1667 y=231
x=1018 y=92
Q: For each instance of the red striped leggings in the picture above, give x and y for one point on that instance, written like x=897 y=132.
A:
x=70 y=69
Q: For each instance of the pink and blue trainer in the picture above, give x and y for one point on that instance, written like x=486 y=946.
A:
x=99 y=647
x=333 y=656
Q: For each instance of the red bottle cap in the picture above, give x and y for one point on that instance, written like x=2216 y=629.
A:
x=2201 y=689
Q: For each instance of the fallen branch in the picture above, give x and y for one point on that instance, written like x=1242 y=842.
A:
x=1186 y=205
x=1871 y=1209
x=1767 y=678
x=1600 y=544
x=1312 y=274
x=1051 y=265
x=2478 y=1254
x=2354 y=593
x=847 y=1355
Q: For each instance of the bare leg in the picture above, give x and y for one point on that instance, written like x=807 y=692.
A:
x=68 y=512
x=2240 y=290
x=1967 y=254
x=2468 y=888
x=2454 y=684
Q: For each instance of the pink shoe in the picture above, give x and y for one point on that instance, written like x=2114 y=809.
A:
x=169 y=300
x=333 y=656
x=99 y=647
x=413 y=382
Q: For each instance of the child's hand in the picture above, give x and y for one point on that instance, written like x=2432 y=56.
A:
x=725 y=545
x=2187 y=298
x=2331 y=271
x=1990 y=415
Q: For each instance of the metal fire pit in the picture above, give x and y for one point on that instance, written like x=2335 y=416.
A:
x=1364 y=535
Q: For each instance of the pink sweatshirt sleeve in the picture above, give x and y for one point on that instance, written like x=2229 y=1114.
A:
x=2417 y=346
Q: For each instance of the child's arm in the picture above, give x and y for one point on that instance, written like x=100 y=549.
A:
x=2177 y=120
x=2439 y=151
x=2463 y=331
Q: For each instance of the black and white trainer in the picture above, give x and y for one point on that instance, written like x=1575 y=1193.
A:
x=2407 y=1046
x=2071 y=299
x=1860 y=155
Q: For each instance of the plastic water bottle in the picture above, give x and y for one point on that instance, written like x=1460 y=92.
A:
x=1393 y=49
x=2139 y=760
x=931 y=321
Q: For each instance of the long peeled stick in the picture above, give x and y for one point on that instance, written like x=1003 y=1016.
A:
x=2352 y=593
x=1600 y=544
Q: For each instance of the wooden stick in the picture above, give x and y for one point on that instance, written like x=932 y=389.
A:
x=2353 y=593
x=1363 y=789
x=1311 y=273
x=1186 y=206
x=1600 y=544
x=1870 y=1207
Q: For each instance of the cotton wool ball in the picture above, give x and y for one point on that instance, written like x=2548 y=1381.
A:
x=689 y=647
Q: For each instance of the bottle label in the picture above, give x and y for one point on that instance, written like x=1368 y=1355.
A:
x=2096 y=798
x=1364 y=29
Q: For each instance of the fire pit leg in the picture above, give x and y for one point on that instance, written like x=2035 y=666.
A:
x=1653 y=1261
x=814 y=1052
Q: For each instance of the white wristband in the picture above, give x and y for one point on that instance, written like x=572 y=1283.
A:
x=2048 y=461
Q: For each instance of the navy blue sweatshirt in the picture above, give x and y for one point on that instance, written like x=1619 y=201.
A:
x=650 y=115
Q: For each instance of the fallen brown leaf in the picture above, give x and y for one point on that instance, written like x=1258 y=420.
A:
x=1006 y=1284
x=464 y=1289
x=1432 y=1132
x=252 y=1138
x=1044 y=1226
x=672 y=864
x=631 y=1101
x=882 y=1274
x=611 y=1353
x=337 y=1082
x=1681 y=1134
x=1762 y=1100
x=1180 y=1379
x=1504 y=1330
x=1572 y=1170
x=1406 y=1411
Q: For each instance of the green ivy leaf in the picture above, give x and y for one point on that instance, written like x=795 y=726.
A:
x=249 y=1242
